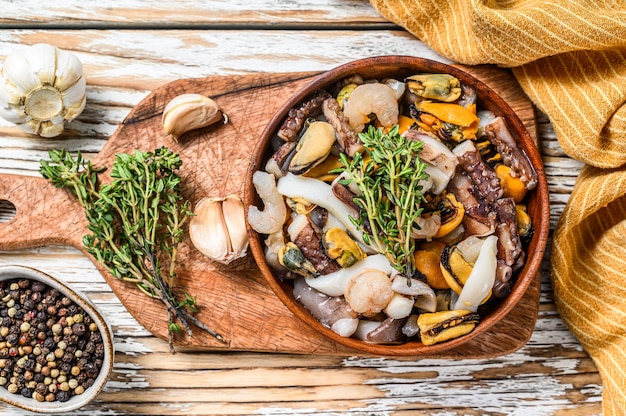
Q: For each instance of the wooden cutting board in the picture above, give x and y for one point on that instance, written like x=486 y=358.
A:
x=235 y=299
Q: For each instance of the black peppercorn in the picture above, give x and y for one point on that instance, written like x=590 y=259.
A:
x=65 y=367
x=36 y=297
x=99 y=352
x=41 y=388
x=29 y=364
x=49 y=343
x=41 y=359
x=82 y=363
x=46 y=335
x=78 y=328
x=38 y=287
x=90 y=347
x=12 y=338
x=63 y=396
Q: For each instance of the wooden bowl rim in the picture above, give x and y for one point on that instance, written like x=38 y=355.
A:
x=539 y=199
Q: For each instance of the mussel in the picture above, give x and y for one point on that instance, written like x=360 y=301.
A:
x=524 y=223
x=448 y=121
x=441 y=87
x=292 y=258
x=313 y=147
x=445 y=325
x=341 y=247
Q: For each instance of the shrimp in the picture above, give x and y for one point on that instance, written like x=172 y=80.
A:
x=273 y=243
x=366 y=99
x=369 y=292
x=273 y=216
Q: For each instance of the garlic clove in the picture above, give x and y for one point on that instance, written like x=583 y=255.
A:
x=69 y=71
x=188 y=112
x=235 y=218
x=208 y=230
x=10 y=109
x=216 y=229
x=42 y=62
x=48 y=128
x=75 y=95
x=17 y=72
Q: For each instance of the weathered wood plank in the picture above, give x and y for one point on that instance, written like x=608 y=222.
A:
x=192 y=13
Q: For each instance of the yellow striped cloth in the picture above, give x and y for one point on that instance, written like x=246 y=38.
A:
x=569 y=56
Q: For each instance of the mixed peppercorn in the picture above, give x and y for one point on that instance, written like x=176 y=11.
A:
x=50 y=348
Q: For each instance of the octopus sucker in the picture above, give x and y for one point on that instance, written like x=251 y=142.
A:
x=512 y=155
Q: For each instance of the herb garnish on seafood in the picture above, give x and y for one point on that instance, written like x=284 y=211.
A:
x=389 y=175
x=136 y=222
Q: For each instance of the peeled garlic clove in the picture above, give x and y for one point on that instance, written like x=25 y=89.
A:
x=218 y=229
x=42 y=88
x=188 y=112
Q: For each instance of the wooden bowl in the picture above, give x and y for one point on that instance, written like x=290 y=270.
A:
x=11 y=272
x=537 y=202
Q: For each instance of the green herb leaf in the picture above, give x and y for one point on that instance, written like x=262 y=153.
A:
x=389 y=175
x=136 y=222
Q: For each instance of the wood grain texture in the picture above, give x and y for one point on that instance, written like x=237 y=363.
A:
x=550 y=375
x=193 y=13
x=234 y=300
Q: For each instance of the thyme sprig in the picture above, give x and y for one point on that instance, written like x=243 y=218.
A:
x=136 y=223
x=388 y=174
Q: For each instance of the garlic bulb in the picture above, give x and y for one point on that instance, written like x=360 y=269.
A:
x=218 y=230
x=41 y=88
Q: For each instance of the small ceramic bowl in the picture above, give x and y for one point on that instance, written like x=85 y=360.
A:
x=11 y=272
x=399 y=67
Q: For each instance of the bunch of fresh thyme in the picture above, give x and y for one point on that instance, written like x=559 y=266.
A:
x=388 y=174
x=136 y=222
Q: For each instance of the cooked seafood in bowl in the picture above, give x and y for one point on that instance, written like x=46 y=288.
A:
x=397 y=205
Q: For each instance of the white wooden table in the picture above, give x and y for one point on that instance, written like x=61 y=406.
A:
x=130 y=47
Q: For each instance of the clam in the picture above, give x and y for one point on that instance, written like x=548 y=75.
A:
x=314 y=146
x=341 y=248
x=441 y=87
x=445 y=325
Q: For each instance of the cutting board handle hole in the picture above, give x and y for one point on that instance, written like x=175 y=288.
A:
x=7 y=211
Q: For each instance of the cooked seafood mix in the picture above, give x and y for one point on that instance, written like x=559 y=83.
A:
x=396 y=206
